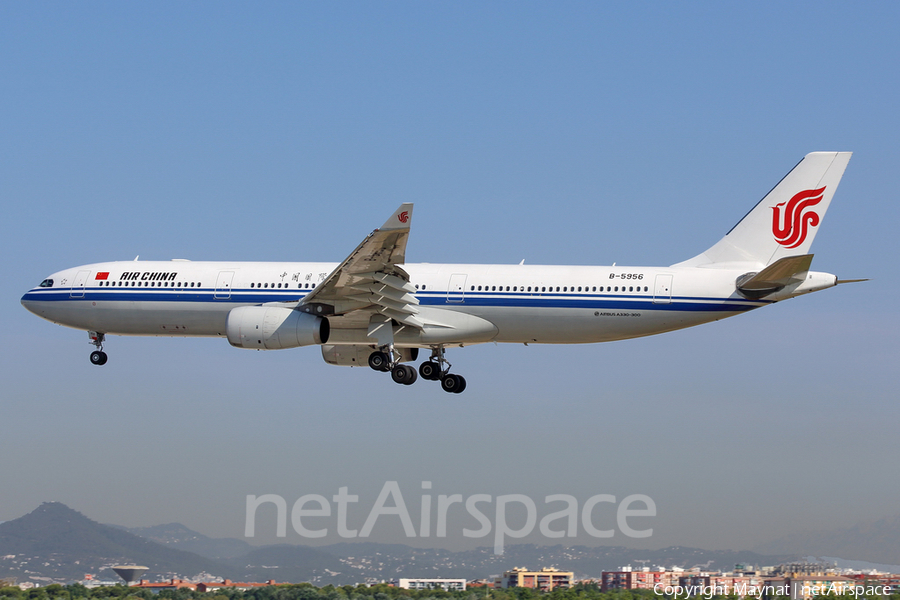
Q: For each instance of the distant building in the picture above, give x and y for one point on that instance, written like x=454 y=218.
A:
x=448 y=585
x=227 y=583
x=890 y=579
x=642 y=579
x=797 y=569
x=724 y=584
x=806 y=587
x=545 y=580
x=172 y=584
x=91 y=582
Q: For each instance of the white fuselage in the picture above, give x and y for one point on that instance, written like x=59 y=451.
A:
x=526 y=304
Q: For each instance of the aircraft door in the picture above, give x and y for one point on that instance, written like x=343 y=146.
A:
x=456 y=290
x=77 y=290
x=662 y=290
x=223 y=285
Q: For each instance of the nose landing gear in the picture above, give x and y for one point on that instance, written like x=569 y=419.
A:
x=98 y=356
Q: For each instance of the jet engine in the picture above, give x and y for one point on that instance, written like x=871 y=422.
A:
x=274 y=328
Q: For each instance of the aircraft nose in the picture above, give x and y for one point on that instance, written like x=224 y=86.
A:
x=29 y=303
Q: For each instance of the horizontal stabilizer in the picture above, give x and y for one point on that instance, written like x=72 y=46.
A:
x=782 y=272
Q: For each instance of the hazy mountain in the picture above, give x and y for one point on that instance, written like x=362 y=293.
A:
x=176 y=535
x=296 y=564
x=71 y=545
x=57 y=542
x=875 y=541
x=390 y=560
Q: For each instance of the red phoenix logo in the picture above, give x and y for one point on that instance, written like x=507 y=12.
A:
x=404 y=216
x=790 y=229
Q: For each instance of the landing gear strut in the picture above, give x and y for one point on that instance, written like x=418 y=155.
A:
x=386 y=360
x=98 y=356
x=436 y=368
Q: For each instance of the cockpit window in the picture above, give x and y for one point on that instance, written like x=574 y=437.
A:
x=47 y=283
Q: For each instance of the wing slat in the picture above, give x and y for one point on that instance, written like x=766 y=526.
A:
x=371 y=279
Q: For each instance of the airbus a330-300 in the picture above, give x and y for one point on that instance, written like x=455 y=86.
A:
x=375 y=309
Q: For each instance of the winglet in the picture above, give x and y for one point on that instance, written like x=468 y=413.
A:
x=401 y=218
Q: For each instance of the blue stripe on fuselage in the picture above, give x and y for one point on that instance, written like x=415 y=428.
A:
x=437 y=298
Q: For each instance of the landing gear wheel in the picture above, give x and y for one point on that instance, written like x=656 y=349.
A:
x=453 y=384
x=430 y=370
x=404 y=374
x=380 y=361
x=98 y=357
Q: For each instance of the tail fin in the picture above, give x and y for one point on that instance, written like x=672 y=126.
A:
x=785 y=222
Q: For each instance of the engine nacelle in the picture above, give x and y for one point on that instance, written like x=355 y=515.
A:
x=358 y=355
x=274 y=328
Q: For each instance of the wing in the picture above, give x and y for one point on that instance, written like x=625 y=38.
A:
x=370 y=286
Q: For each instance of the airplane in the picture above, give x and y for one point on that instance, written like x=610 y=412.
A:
x=375 y=309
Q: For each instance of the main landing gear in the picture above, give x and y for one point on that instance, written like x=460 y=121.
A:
x=383 y=360
x=435 y=368
x=98 y=356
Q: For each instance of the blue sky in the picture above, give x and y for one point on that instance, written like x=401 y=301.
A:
x=558 y=133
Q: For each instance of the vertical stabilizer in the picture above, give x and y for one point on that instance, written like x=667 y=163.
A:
x=785 y=222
